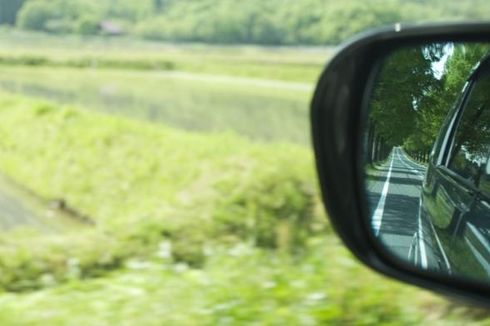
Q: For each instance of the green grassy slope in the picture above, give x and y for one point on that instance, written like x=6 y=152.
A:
x=238 y=285
x=190 y=229
x=278 y=63
x=269 y=111
x=141 y=183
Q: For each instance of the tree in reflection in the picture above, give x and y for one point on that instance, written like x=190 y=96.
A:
x=472 y=138
x=416 y=87
x=404 y=80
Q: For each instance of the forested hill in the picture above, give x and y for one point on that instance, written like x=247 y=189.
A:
x=275 y=22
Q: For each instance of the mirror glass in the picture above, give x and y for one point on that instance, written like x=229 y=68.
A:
x=426 y=150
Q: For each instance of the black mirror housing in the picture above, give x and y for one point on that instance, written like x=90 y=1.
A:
x=338 y=114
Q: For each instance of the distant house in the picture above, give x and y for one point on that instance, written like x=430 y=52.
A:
x=108 y=27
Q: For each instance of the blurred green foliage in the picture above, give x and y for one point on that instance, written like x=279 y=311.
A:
x=146 y=184
x=190 y=228
x=262 y=112
x=422 y=99
x=436 y=104
x=276 y=63
x=9 y=10
x=239 y=284
x=261 y=22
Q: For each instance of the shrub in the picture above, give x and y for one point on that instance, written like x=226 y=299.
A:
x=59 y=26
x=269 y=201
x=156 y=185
x=88 y=25
x=35 y=14
x=29 y=260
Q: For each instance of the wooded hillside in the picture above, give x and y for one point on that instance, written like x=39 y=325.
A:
x=315 y=22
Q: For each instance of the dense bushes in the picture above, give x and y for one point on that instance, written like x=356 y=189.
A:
x=35 y=15
x=240 y=285
x=226 y=21
x=89 y=62
x=54 y=16
x=268 y=203
x=434 y=92
x=310 y=22
x=145 y=186
x=9 y=10
x=30 y=260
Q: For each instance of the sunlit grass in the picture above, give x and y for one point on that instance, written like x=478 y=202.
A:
x=141 y=183
x=260 y=111
x=189 y=230
x=190 y=227
x=238 y=285
x=289 y=64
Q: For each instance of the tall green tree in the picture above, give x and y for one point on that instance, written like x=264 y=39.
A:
x=406 y=77
x=414 y=92
x=436 y=104
x=8 y=11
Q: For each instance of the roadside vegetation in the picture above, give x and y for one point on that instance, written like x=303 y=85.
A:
x=425 y=99
x=240 y=284
x=277 y=63
x=260 y=22
x=259 y=110
x=186 y=167
x=187 y=227
x=146 y=184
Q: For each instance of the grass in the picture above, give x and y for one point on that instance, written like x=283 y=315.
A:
x=266 y=112
x=197 y=229
x=141 y=183
x=222 y=227
x=239 y=285
x=259 y=92
x=289 y=64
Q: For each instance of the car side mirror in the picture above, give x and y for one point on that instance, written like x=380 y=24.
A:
x=401 y=131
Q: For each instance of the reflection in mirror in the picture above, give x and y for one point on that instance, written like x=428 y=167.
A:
x=427 y=144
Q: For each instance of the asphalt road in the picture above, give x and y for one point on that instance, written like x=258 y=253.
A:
x=393 y=192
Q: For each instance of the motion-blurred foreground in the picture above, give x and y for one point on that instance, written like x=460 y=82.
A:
x=159 y=183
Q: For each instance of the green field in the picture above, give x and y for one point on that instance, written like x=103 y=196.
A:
x=301 y=64
x=260 y=93
x=195 y=227
x=261 y=110
x=200 y=187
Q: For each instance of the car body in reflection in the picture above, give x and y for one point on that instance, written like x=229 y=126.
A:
x=455 y=197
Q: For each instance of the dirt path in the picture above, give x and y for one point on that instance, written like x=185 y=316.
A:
x=19 y=208
x=14 y=213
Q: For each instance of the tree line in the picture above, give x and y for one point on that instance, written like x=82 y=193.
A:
x=279 y=22
x=416 y=88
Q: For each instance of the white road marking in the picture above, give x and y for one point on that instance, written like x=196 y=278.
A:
x=416 y=259
x=407 y=166
x=410 y=160
x=378 y=213
x=423 y=253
